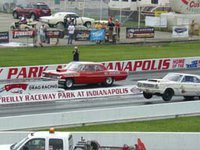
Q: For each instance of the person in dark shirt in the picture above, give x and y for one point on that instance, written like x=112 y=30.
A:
x=75 y=54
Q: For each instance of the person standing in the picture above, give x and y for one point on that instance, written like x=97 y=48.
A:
x=42 y=35
x=75 y=54
x=117 y=28
x=34 y=35
x=71 y=30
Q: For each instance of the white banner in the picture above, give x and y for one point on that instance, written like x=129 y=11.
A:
x=160 y=22
x=68 y=95
x=7 y=73
x=29 y=87
x=180 y=31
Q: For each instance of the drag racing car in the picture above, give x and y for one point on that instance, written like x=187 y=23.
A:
x=85 y=73
x=173 y=84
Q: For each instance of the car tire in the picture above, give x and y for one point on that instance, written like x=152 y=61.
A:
x=69 y=83
x=188 y=98
x=33 y=16
x=88 y=24
x=167 y=95
x=15 y=15
x=147 y=95
x=60 y=26
x=109 y=81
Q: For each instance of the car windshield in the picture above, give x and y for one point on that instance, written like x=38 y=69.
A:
x=74 y=66
x=173 y=77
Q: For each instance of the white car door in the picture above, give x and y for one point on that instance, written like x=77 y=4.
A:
x=190 y=86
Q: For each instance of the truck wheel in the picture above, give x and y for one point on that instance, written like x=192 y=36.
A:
x=109 y=81
x=88 y=24
x=60 y=26
x=167 y=95
x=147 y=95
x=15 y=15
x=69 y=83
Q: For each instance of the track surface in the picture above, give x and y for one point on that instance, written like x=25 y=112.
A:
x=92 y=103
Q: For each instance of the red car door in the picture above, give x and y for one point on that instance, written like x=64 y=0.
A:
x=91 y=74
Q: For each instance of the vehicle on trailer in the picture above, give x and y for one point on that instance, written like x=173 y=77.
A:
x=61 y=19
x=85 y=73
x=173 y=84
x=32 y=10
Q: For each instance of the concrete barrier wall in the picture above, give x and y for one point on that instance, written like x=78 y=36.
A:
x=152 y=140
x=99 y=115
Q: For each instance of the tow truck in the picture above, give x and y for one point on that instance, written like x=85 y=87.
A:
x=44 y=140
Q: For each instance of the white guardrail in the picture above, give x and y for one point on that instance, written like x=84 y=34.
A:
x=151 y=140
x=93 y=116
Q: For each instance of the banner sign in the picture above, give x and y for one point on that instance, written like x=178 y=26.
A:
x=28 y=87
x=4 y=37
x=144 y=65
x=22 y=33
x=68 y=95
x=97 y=35
x=180 y=31
x=160 y=22
x=55 y=34
x=82 y=35
x=140 y=32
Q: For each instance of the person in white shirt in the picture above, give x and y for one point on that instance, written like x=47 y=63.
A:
x=71 y=29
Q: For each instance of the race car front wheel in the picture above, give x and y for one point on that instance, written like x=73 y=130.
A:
x=147 y=95
x=69 y=83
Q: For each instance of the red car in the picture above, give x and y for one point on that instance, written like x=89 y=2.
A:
x=85 y=73
x=32 y=10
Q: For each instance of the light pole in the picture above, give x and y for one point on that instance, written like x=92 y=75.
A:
x=139 y=11
x=100 y=16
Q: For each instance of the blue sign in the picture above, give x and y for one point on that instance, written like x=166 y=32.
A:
x=194 y=64
x=97 y=35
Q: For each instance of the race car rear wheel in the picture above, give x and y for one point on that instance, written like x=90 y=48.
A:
x=69 y=83
x=109 y=81
x=167 y=95
x=147 y=95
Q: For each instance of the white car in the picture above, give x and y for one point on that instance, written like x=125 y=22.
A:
x=173 y=84
x=58 y=19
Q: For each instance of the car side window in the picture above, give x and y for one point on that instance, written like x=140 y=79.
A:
x=55 y=144
x=188 y=79
x=98 y=68
x=196 y=80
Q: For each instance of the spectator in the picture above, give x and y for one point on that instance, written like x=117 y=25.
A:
x=75 y=54
x=42 y=35
x=23 y=20
x=71 y=29
x=117 y=28
x=110 y=30
x=192 y=26
x=34 y=35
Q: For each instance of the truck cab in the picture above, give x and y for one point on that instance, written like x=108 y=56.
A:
x=43 y=141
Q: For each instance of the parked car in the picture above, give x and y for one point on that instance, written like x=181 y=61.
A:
x=173 y=84
x=155 y=10
x=85 y=73
x=32 y=10
x=59 y=20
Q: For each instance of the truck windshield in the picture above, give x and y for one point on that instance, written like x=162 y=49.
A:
x=17 y=145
